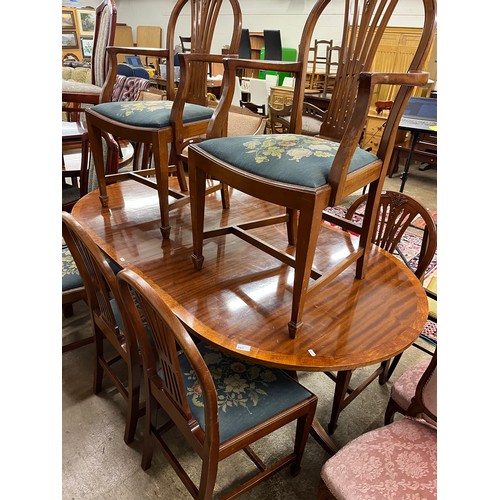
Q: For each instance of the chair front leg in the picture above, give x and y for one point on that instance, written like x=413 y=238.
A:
x=368 y=227
x=307 y=236
x=160 y=154
x=96 y=146
x=197 y=183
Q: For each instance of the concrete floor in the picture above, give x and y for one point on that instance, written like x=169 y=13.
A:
x=97 y=464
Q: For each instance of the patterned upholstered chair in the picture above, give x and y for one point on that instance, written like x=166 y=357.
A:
x=304 y=174
x=116 y=350
x=220 y=404
x=167 y=125
x=76 y=94
x=403 y=390
x=398 y=460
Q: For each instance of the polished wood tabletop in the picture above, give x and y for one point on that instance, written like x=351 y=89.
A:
x=241 y=299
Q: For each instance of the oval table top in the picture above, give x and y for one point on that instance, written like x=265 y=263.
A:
x=241 y=299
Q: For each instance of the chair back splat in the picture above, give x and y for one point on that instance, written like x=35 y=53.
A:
x=306 y=174
x=187 y=381
x=169 y=125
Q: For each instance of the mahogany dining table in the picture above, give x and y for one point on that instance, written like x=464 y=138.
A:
x=240 y=300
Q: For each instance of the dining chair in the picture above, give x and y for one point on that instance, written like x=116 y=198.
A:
x=403 y=390
x=219 y=404
x=76 y=94
x=396 y=213
x=398 y=460
x=167 y=125
x=116 y=349
x=320 y=64
x=308 y=174
x=185 y=43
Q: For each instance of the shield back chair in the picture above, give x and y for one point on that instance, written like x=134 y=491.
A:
x=397 y=211
x=166 y=125
x=112 y=343
x=311 y=173
x=75 y=94
x=188 y=382
x=405 y=454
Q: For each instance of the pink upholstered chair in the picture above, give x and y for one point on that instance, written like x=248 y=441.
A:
x=398 y=460
x=403 y=391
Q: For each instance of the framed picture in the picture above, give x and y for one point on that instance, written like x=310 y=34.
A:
x=87 y=46
x=68 y=20
x=86 y=20
x=69 y=40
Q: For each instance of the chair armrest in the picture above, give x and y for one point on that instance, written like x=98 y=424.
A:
x=113 y=52
x=216 y=126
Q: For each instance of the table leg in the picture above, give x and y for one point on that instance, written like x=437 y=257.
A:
x=404 y=175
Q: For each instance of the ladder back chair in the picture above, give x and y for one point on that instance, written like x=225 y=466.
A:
x=188 y=382
x=106 y=311
x=76 y=94
x=396 y=211
x=165 y=125
x=307 y=174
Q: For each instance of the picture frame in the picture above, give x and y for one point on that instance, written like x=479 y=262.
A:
x=86 y=21
x=87 y=44
x=69 y=40
x=68 y=20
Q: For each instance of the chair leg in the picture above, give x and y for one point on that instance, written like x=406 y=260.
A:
x=133 y=390
x=99 y=355
x=307 y=236
x=208 y=477
x=369 y=221
x=390 y=370
x=149 y=443
x=304 y=424
x=341 y=387
x=197 y=183
x=96 y=146
x=160 y=154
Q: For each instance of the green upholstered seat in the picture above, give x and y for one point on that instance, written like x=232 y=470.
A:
x=71 y=278
x=291 y=158
x=247 y=393
x=150 y=114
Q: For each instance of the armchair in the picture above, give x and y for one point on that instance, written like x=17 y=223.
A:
x=167 y=125
x=307 y=174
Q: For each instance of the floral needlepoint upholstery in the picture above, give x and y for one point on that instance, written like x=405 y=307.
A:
x=398 y=462
x=247 y=393
x=150 y=114
x=71 y=278
x=294 y=159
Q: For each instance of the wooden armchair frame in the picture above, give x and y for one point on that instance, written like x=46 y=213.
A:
x=192 y=89
x=343 y=124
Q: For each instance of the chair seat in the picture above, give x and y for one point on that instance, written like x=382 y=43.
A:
x=71 y=278
x=290 y=158
x=251 y=396
x=74 y=86
x=395 y=461
x=150 y=114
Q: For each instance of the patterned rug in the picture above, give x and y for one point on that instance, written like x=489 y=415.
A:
x=409 y=247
